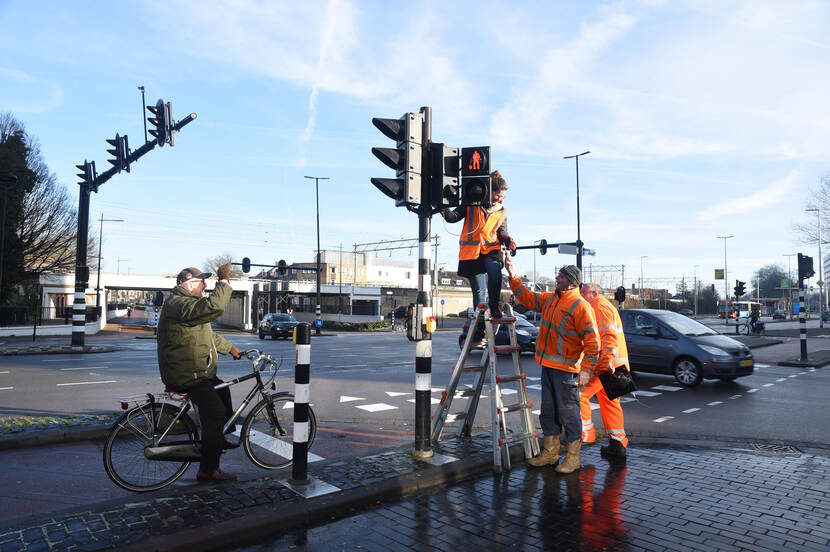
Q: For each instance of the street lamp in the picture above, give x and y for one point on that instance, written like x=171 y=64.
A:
x=820 y=266
x=100 y=245
x=790 y=280
x=317 y=180
x=143 y=111
x=642 y=292
x=725 y=282
x=6 y=179
x=695 y=269
x=578 y=234
x=534 y=265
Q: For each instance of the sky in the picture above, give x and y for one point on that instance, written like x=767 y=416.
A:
x=703 y=119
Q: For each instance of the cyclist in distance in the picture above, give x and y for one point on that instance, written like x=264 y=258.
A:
x=187 y=355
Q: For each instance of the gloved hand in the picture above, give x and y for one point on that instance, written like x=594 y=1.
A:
x=236 y=353
x=584 y=378
x=224 y=271
x=512 y=246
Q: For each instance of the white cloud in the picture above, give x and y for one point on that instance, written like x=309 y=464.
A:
x=26 y=93
x=765 y=197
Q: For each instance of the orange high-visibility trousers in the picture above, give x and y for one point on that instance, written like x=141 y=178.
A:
x=611 y=412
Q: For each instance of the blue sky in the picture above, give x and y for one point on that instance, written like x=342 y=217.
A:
x=703 y=119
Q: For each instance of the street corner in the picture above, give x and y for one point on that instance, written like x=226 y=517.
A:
x=815 y=359
x=55 y=349
x=756 y=342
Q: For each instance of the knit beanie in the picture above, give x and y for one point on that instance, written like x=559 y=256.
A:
x=572 y=273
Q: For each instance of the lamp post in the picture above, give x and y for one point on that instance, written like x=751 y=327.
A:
x=725 y=281
x=820 y=266
x=534 y=265
x=100 y=245
x=6 y=179
x=695 y=269
x=578 y=233
x=143 y=111
x=642 y=291
x=317 y=180
x=790 y=280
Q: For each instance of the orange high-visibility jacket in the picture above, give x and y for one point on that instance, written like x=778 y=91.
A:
x=567 y=331
x=479 y=234
x=613 y=350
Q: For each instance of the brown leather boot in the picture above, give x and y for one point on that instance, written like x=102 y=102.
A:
x=550 y=452
x=571 y=461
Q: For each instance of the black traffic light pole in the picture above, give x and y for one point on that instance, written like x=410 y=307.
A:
x=423 y=345
x=802 y=318
x=90 y=181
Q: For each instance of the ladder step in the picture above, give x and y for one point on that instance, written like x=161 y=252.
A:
x=505 y=379
x=507 y=348
x=464 y=393
x=505 y=320
x=516 y=438
x=514 y=407
x=469 y=369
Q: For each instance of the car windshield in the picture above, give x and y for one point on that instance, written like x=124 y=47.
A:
x=284 y=318
x=522 y=323
x=684 y=325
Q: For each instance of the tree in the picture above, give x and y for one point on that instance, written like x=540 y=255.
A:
x=770 y=277
x=819 y=199
x=212 y=264
x=41 y=220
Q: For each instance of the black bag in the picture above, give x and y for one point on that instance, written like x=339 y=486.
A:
x=617 y=384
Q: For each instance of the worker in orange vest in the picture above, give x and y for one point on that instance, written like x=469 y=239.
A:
x=567 y=343
x=479 y=253
x=613 y=356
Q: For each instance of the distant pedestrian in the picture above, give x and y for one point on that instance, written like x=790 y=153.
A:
x=187 y=356
x=567 y=343
x=613 y=355
x=480 y=257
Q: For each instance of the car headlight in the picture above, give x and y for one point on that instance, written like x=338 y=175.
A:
x=714 y=351
x=522 y=332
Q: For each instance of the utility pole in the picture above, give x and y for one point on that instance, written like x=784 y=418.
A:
x=790 y=282
x=725 y=281
x=578 y=230
x=820 y=272
x=100 y=246
x=695 y=268
x=319 y=321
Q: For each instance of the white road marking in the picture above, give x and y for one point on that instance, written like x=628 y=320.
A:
x=793 y=376
x=752 y=391
x=62 y=360
x=4 y=372
x=647 y=393
x=85 y=383
x=377 y=407
x=768 y=385
x=396 y=393
x=85 y=368
x=781 y=379
x=6 y=388
x=346 y=398
x=716 y=403
x=802 y=373
x=735 y=397
x=689 y=411
x=666 y=388
x=277 y=446
x=626 y=399
x=534 y=379
x=539 y=387
x=663 y=419
x=757 y=365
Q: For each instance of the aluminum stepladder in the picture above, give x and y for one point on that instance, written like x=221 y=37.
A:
x=503 y=435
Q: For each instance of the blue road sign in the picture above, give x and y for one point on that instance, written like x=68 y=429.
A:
x=318 y=323
x=442 y=301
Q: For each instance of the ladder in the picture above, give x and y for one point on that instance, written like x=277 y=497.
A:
x=503 y=435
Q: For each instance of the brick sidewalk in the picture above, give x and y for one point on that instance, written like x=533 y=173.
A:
x=674 y=496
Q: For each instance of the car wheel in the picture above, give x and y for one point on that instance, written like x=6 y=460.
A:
x=274 y=335
x=687 y=372
x=261 y=335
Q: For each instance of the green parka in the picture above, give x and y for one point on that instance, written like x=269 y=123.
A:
x=187 y=346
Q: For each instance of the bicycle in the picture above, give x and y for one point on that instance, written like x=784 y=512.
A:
x=154 y=442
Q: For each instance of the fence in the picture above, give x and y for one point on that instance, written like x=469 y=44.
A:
x=41 y=316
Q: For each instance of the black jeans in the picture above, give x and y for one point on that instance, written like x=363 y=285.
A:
x=214 y=410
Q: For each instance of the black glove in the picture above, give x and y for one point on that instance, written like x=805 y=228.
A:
x=236 y=353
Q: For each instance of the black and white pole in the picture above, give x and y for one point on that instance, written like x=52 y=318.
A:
x=81 y=269
x=302 y=373
x=802 y=320
x=423 y=346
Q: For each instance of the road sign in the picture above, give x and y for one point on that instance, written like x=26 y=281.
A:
x=567 y=249
x=590 y=252
x=820 y=283
x=718 y=274
x=442 y=301
x=318 y=323
x=785 y=283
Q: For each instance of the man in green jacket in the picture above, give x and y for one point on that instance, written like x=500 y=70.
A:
x=188 y=355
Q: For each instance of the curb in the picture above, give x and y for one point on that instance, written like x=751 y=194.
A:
x=55 y=436
x=56 y=350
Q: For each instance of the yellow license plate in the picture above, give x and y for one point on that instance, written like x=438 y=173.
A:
x=747 y=362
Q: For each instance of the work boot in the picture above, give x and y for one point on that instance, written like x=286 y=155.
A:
x=613 y=448
x=571 y=462
x=550 y=452
x=495 y=311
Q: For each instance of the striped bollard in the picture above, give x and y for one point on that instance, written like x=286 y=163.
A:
x=802 y=320
x=302 y=373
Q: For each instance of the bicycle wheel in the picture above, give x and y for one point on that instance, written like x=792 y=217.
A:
x=124 y=459
x=268 y=431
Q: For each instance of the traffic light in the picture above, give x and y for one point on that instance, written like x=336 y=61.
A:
x=88 y=175
x=805 y=267
x=475 y=176
x=406 y=158
x=120 y=152
x=246 y=265
x=161 y=120
x=158 y=299
x=281 y=267
x=619 y=295
x=443 y=177
x=740 y=288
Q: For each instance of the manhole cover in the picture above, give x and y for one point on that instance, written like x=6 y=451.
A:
x=774 y=448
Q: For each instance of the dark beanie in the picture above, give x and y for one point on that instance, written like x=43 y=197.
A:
x=572 y=273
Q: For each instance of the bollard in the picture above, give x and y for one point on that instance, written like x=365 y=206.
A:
x=302 y=372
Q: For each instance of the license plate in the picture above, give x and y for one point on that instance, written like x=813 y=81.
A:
x=747 y=362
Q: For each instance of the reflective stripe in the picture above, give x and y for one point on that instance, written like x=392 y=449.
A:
x=620 y=361
x=560 y=359
x=587 y=424
x=585 y=332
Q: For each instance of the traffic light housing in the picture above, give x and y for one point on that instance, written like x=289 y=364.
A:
x=476 y=185
x=619 y=295
x=246 y=265
x=120 y=152
x=740 y=288
x=406 y=158
x=443 y=177
x=161 y=120
x=805 y=267
x=88 y=175
x=158 y=299
x=281 y=267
